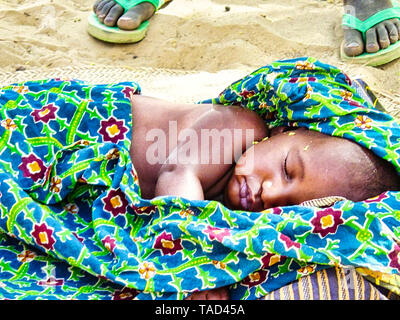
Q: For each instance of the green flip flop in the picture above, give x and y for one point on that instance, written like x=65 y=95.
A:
x=382 y=56
x=102 y=32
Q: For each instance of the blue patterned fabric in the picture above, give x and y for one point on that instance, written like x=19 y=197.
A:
x=74 y=226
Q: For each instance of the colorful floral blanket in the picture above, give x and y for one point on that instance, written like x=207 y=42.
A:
x=73 y=224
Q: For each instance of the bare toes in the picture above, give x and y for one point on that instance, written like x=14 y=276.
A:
x=129 y=21
x=96 y=4
x=383 y=36
x=113 y=15
x=353 y=43
x=392 y=31
x=103 y=9
x=371 y=37
x=135 y=16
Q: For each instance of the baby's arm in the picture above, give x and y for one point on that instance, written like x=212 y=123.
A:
x=175 y=180
x=194 y=177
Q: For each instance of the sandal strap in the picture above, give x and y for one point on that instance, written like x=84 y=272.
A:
x=355 y=23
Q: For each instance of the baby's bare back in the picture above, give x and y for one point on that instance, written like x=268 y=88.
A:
x=201 y=138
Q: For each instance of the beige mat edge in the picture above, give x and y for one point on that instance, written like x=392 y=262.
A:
x=186 y=86
x=170 y=84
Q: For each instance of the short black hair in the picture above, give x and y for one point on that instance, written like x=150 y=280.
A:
x=373 y=176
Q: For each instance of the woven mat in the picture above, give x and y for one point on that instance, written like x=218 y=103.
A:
x=172 y=85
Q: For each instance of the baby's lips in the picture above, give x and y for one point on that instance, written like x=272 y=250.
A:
x=243 y=189
x=244 y=204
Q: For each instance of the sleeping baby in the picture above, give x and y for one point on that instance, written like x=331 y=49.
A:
x=284 y=166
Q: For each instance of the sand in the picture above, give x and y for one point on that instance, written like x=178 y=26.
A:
x=209 y=36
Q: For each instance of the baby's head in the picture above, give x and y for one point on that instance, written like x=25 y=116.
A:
x=291 y=167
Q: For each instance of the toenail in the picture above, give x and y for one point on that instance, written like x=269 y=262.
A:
x=352 y=45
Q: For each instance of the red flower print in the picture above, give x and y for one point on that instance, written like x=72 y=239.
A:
x=128 y=91
x=44 y=236
x=186 y=213
x=45 y=114
x=32 y=167
x=289 y=242
x=217 y=233
x=80 y=239
x=115 y=202
x=277 y=210
x=308 y=269
x=26 y=256
x=109 y=243
x=327 y=221
x=112 y=154
x=147 y=270
x=270 y=259
x=82 y=142
x=255 y=278
x=302 y=79
x=363 y=122
x=377 y=198
x=21 y=89
x=348 y=80
x=219 y=264
x=394 y=257
x=309 y=92
x=71 y=208
x=55 y=185
x=9 y=124
x=304 y=65
x=125 y=294
x=51 y=282
x=247 y=94
x=113 y=130
x=167 y=244
x=144 y=210
x=355 y=104
x=346 y=95
x=82 y=180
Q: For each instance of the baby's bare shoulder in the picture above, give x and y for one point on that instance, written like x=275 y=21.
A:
x=240 y=118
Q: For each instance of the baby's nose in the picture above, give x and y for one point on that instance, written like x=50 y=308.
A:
x=273 y=194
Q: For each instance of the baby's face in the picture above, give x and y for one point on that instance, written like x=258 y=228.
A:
x=287 y=169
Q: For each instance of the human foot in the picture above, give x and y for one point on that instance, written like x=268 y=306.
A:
x=378 y=37
x=112 y=14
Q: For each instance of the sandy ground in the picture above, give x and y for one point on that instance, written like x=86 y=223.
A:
x=206 y=35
